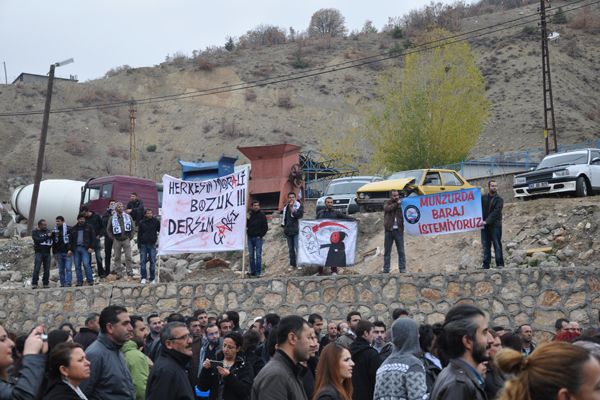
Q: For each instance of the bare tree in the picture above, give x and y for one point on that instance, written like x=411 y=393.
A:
x=327 y=21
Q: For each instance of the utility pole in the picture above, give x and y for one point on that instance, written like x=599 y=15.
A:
x=549 y=128
x=42 y=148
x=5 y=75
x=132 y=141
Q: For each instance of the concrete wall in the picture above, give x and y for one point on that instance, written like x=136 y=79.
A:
x=511 y=296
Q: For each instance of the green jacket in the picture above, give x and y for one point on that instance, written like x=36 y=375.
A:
x=137 y=362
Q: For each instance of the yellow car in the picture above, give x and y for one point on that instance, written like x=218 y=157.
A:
x=417 y=182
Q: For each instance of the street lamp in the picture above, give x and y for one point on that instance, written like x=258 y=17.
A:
x=42 y=149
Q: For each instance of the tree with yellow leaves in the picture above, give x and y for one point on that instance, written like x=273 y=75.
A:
x=431 y=112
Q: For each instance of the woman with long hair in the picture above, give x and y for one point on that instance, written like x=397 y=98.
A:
x=553 y=371
x=32 y=369
x=229 y=377
x=67 y=368
x=334 y=374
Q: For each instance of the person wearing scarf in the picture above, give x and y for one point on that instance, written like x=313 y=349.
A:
x=60 y=249
x=120 y=230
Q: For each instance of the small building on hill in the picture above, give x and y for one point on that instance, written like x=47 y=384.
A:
x=25 y=77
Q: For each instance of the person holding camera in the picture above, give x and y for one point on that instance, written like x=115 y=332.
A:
x=229 y=377
x=32 y=369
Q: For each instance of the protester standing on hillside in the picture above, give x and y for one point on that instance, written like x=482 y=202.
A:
x=491 y=206
x=147 y=237
x=135 y=208
x=120 y=230
x=292 y=212
x=95 y=221
x=256 y=228
x=60 y=249
x=338 y=260
x=82 y=246
x=42 y=243
x=108 y=241
x=393 y=225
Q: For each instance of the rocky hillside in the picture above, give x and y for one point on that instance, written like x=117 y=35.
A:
x=566 y=227
x=96 y=142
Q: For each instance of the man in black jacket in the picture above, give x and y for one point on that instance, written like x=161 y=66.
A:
x=465 y=342
x=81 y=240
x=256 y=228
x=168 y=378
x=60 y=249
x=42 y=243
x=95 y=221
x=89 y=333
x=491 y=205
x=292 y=212
x=147 y=237
x=108 y=242
x=135 y=208
x=366 y=361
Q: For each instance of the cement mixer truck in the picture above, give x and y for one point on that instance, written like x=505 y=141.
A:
x=65 y=197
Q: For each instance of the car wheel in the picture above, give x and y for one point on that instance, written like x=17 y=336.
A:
x=581 y=189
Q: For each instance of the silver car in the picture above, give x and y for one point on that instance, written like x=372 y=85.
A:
x=343 y=192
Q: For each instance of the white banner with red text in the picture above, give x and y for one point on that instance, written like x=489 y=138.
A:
x=203 y=216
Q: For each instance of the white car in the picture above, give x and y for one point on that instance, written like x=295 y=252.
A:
x=575 y=171
x=343 y=192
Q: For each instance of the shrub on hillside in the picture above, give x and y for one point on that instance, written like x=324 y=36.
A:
x=560 y=17
x=284 y=101
x=151 y=148
x=117 y=70
x=262 y=35
x=204 y=64
x=75 y=146
x=529 y=30
x=250 y=95
x=586 y=21
x=179 y=58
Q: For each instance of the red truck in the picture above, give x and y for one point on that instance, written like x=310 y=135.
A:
x=97 y=192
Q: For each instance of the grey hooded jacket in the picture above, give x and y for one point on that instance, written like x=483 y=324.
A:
x=402 y=375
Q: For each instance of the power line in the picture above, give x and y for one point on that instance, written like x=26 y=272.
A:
x=313 y=71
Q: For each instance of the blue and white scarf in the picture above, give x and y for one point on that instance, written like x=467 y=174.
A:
x=116 y=227
x=65 y=234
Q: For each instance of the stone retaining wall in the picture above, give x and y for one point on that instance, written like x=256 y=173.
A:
x=510 y=296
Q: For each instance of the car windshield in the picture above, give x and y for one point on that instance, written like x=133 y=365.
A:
x=564 y=159
x=417 y=174
x=344 y=187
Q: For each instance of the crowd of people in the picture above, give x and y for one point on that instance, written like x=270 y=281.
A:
x=121 y=356
x=74 y=246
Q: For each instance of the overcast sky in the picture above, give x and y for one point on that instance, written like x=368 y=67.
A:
x=103 y=34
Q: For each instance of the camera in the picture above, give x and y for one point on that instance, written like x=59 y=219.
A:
x=215 y=363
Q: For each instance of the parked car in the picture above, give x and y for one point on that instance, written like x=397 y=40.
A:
x=570 y=172
x=343 y=192
x=416 y=182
